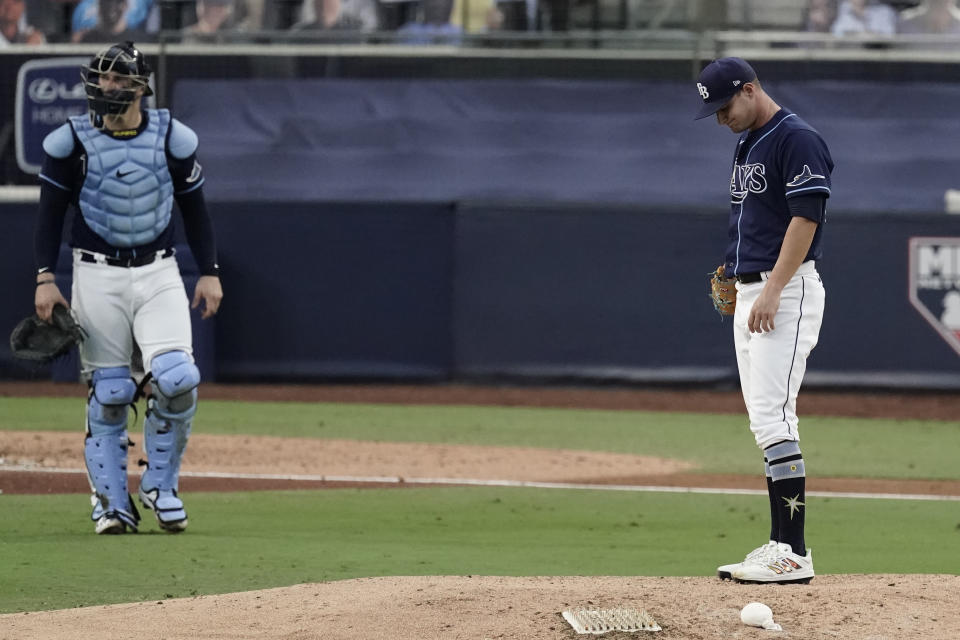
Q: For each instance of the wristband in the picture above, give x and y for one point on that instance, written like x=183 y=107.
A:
x=45 y=282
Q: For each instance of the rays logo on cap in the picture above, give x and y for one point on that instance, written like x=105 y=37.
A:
x=935 y=285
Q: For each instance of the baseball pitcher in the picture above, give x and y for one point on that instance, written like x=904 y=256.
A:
x=779 y=186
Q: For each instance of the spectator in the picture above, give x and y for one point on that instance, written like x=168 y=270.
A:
x=213 y=16
x=820 y=15
x=204 y=17
x=435 y=28
x=393 y=14
x=931 y=16
x=558 y=12
x=85 y=14
x=13 y=24
x=356 y=15
x=864 y=16
x=253 y=15
x=111 y=24
x=512 y=15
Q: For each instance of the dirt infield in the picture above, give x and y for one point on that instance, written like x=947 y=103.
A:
x=474 y=607
x=307 y=456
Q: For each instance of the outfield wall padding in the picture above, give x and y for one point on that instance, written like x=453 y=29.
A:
x=373 y=291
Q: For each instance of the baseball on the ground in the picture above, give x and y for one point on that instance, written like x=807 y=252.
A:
x=757 y=614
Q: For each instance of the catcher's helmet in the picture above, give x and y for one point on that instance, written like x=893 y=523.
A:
x=125 y=61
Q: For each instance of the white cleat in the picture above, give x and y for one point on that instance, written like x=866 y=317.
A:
x=114 y=521
x=724 y=572
x=110 y=524
x=167 y=507
x=779 y=565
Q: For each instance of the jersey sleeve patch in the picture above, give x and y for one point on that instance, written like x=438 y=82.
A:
x=59 y=143
x=807 y=165
x=187 y=174
x=182 y=142
x=805 y=176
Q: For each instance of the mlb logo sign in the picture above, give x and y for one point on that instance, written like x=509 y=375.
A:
x=935 y=284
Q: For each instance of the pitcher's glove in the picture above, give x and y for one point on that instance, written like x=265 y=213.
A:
x=34 y=339
x=723 y=292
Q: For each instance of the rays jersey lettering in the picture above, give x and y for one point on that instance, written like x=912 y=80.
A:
x=746 y=179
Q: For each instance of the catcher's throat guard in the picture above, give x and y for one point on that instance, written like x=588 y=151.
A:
x=35 y=340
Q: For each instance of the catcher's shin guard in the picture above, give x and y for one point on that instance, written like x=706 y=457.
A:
x=105 y=450
x=166 y=431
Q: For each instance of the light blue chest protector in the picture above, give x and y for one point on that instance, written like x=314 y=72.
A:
x=127 y=195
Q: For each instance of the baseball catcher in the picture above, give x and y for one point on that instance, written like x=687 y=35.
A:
x=723 y=292
x=121 y=167
x=33 y=339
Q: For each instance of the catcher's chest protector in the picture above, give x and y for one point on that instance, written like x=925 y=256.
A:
x=127 y=194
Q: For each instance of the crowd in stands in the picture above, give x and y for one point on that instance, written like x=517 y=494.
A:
x=883 y=17
x=414 y=21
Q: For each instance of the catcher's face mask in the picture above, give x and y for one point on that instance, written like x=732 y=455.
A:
x=114 y=79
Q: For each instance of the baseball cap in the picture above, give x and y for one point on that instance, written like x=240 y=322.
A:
x=720 y=81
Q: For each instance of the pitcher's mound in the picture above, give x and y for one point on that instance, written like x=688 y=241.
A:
x=481 y=607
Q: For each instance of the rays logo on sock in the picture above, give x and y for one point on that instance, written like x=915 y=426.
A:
x=935 y=285
x=794 y=504
x=746 y=179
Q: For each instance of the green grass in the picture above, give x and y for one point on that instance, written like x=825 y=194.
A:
x=50 y=557
x=244 y=541
x=716 y=443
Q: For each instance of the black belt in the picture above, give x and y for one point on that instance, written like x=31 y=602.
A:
x=749 y=278
x=136 y=261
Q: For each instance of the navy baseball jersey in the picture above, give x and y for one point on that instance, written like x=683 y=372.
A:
x=785 y=158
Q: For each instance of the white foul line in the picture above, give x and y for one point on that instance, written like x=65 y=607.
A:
x=510 y=483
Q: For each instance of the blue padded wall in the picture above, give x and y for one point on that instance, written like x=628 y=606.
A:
x=552 y=141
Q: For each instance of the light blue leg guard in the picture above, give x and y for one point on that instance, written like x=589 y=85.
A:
x=105 y=449
x=166 y=431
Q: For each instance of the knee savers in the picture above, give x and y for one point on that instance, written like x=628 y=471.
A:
x=111 y=392
x=175 y=380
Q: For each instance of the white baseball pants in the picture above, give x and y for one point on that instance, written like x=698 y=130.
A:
x=772 y=364
x=120 y=305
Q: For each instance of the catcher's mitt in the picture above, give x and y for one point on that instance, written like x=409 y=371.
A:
x=723 y=292
x=34 y=339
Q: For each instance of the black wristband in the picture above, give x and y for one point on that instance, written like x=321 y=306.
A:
x=46 y=282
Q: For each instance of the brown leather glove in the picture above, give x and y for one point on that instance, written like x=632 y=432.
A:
x=723 y=292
